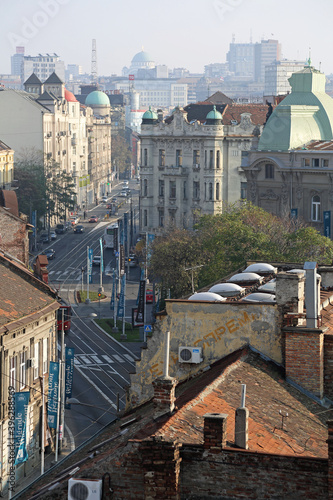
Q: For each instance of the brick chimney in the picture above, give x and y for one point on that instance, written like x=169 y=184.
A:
x=215 y=431
x=164 y=395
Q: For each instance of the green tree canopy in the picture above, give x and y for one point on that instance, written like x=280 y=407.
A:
x=223 y=243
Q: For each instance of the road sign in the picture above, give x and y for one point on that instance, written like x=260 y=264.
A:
x=148 y=328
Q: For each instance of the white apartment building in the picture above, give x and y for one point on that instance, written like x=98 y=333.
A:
x=192 y=167
x=277 y=76
x=42 y=66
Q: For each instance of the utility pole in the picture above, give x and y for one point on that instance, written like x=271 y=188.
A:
x=192 y=269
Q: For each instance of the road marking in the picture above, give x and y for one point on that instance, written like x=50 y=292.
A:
x=85 y=360
x=118 y=358
x=129 y=358
x=107 y=358
x=76 y=361
x=71 y=437
x=97 y=388
x=96 y=359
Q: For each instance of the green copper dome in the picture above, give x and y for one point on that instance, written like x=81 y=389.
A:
x=149 y=115
x=214 y=114
x=304 y=115
x=142 y=57
x=97 y=98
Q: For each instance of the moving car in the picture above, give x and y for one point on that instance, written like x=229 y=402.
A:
x=131 y=260
x=93 y=218
x=60 y=228
x=79 y=229
x=74 y=220
x=96 y=260
x=50 y=253
x=44 y=237
x=124 y=193
x=53 y=235
x=149 y=296
x=104 y=199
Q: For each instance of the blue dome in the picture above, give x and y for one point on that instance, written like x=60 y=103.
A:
x=214 y=114
x=97 y=98
x=142 y=57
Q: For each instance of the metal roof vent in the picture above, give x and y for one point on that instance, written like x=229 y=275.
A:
x=260 y=268
x=207 y=296
x=259 y=297
x=245 y=278
x=227 y=289
x=268 y=288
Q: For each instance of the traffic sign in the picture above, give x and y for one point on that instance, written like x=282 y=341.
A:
x=148 y=328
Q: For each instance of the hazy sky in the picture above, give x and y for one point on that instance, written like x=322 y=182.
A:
x=178 y=33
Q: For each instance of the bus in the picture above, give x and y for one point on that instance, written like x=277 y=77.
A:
x=64 y=311
x=111 y=236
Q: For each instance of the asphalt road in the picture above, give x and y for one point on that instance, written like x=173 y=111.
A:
x=101 y=365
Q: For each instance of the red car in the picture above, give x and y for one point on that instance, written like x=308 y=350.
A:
x=93 y=218
x=149 y=296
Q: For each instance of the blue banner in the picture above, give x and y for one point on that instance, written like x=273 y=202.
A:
x=294 y=213
x=121 y=232
x=125 y=226
x=121 y=303
x=21 y=411
x=101 y=247
x=327 y=223
x=52 y=409
x=113 y=296
x=69 y=370
x=150 y=239
x=90 y=259
x=142 y=277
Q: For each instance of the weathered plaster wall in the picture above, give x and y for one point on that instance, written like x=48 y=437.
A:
x=219 y=328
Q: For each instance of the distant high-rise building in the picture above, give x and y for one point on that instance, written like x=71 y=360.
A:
x=16 y=61
x=266 y=52
x=43 y=66
x=277 y=76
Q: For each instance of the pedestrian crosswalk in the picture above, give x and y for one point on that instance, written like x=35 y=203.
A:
x=102 y=359
x=63 y=275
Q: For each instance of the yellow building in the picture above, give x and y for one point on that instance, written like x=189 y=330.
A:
x=6 y=166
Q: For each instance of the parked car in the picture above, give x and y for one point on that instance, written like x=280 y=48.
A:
x=60 y=228
x=50 y=253
x=78 y=229
x=74 y=220
x=53 y=235
x=93 y=218
x=96 y=260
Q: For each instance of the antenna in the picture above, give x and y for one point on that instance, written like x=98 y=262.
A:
x=94 y=77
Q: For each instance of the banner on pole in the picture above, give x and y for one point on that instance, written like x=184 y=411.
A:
x=122 y=260
x=52 y=410
x=113 y=295
x=121 y=232
x=121 y=303
x=101 y=247
x=140 y=314
x=69 y=371
x=90 y=259
x=21 y=411
x=125 y=226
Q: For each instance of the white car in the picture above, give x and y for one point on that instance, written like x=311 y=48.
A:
x=96 y=260
x=104 y=199
x=124 y=193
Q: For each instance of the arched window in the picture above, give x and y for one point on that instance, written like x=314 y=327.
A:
x=315 y=208
x=217 y=189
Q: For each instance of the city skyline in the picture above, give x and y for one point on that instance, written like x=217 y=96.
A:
x=189 y=34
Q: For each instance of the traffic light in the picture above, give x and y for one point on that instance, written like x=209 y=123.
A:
x=99 y=294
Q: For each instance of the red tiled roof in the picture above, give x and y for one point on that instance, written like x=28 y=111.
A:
x=317 y=146
x=233 y=112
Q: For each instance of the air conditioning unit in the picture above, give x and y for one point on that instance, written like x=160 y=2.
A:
x=84 y=489
x=189 y=354
x=31 y=363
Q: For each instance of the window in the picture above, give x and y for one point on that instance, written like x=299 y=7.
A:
x=196 y=190
x=161 y=157
x=161 y=217
x=12 y=372
x=36 y=365
x=315 y=209
x=196 y=157
x=315 y=162
x=185 y=190
x=23 y=360
x=145 y=157
x=205 y=158
x=161 y=188
x=179 y=158
x=269 y=171
x=218 y=158
x=145 y=218
x=211 y=159
x=210 y=191
x=324 y=162
x=172 y=189
x=306 y=162
x=145 y=187
x=45 y=354
x=217 y=191
x=243 y=191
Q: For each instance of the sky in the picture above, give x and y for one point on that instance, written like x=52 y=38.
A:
x=178 y=33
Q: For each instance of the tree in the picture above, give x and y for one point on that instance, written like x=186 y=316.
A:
x=121 y=153
x=171 y=255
